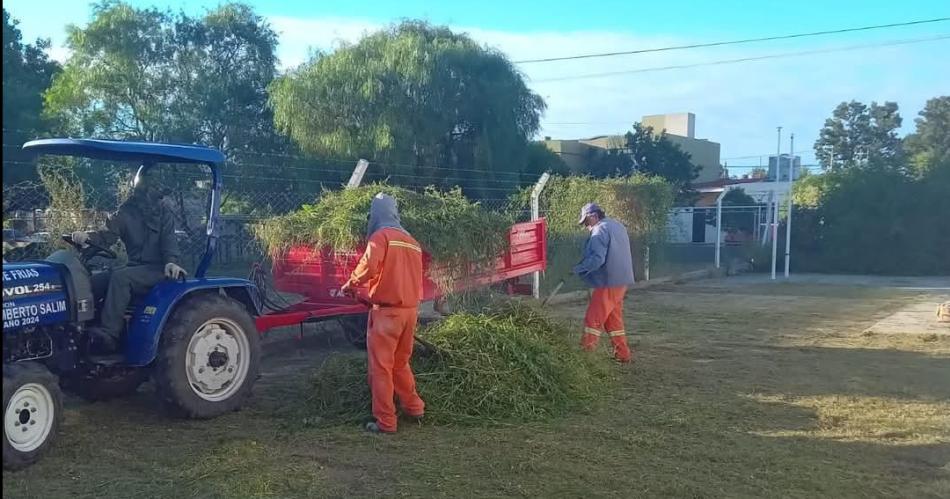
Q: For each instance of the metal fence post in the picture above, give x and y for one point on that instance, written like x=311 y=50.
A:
x=719 y=224
x=358 y=173
x=788 y=220
x=646 y=263
x=536 y=214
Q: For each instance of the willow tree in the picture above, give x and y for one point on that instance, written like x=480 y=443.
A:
x=418 y=98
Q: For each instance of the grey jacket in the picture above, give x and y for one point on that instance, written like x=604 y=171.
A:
x=607 y=261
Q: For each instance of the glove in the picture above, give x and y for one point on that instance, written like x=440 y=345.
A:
x=173 y=271
x=79 y=237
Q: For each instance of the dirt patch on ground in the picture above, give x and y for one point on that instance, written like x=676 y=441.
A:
x=918 y=318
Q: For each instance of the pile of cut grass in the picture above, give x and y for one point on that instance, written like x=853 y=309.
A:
x=509 y=363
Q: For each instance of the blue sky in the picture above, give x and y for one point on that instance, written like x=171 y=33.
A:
x=738 y=105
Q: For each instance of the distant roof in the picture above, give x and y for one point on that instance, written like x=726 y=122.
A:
x=125 y=151
x=722 y=182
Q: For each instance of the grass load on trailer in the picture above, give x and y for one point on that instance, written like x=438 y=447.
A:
x=455 y=231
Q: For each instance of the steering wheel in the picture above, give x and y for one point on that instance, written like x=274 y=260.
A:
x=91 y=250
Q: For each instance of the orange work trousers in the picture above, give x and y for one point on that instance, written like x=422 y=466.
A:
x=605 y=316
x=389 y=341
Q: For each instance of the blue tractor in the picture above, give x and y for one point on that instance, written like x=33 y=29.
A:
x=196 y=337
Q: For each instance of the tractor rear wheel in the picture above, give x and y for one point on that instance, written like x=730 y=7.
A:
x=209 y=357
x=33 y=408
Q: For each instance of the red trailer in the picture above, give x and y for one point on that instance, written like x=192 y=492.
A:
x=317 y=274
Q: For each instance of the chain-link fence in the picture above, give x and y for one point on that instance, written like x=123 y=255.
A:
x=689 y=245
x=80 y=194
x=35 y=216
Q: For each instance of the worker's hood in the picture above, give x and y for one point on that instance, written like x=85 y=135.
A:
x=383 y=213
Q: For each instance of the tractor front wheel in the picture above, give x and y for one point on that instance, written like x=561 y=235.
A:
x=209 y=357
x=33 y=407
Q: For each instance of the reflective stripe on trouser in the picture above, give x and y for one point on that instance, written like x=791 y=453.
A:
x=389 y=341
x=605 y=313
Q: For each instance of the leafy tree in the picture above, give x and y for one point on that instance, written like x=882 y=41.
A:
x=27 y=72
x=416 y=96
x=738 y=197
x=644 y=152
x=875 y=220
x=609 y=163
x=540 y=159
x=654 y=154
x=929 y=146
x=148 y=74
x=857 y=135
x=732 y=219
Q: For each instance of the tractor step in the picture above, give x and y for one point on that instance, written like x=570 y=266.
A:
x=107 y=360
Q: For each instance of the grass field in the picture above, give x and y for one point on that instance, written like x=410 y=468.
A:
x=751 y=391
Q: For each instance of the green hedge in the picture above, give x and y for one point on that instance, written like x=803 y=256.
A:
x=640 y=202
x=874 y=222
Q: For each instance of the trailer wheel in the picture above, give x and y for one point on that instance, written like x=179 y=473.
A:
x=354 y=328
x=33 y=408
x=209 y=357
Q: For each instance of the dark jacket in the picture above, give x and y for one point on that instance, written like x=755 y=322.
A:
x=149 y=238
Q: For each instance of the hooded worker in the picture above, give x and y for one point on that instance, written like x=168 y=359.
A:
x=607 y=267
x=147 y=229
x=391 y=273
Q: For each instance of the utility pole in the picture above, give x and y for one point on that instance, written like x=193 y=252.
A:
x=788 y=221
x=778 y=164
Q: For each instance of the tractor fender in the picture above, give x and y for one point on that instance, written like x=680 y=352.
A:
x=150 y=316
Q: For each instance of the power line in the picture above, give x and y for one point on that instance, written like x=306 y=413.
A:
x=745 y=59
x=339 y=164
x=733 y=42
x=420 y=181
x=570 y=123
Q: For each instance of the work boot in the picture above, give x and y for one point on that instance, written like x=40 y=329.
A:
x=375 y=429
x=624 y=358
x=101 y=342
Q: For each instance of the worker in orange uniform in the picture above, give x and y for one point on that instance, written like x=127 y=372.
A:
x=607 y=266
x=391 y=273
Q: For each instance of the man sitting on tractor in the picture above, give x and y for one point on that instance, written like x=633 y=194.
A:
x=147 y=228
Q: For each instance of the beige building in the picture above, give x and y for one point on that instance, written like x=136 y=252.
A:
x=680 y=129
x=682 y=124
x=575 y=153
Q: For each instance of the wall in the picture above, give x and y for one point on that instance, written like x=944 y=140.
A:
x=574 y=153
x=682 y=124
x=703 y=153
